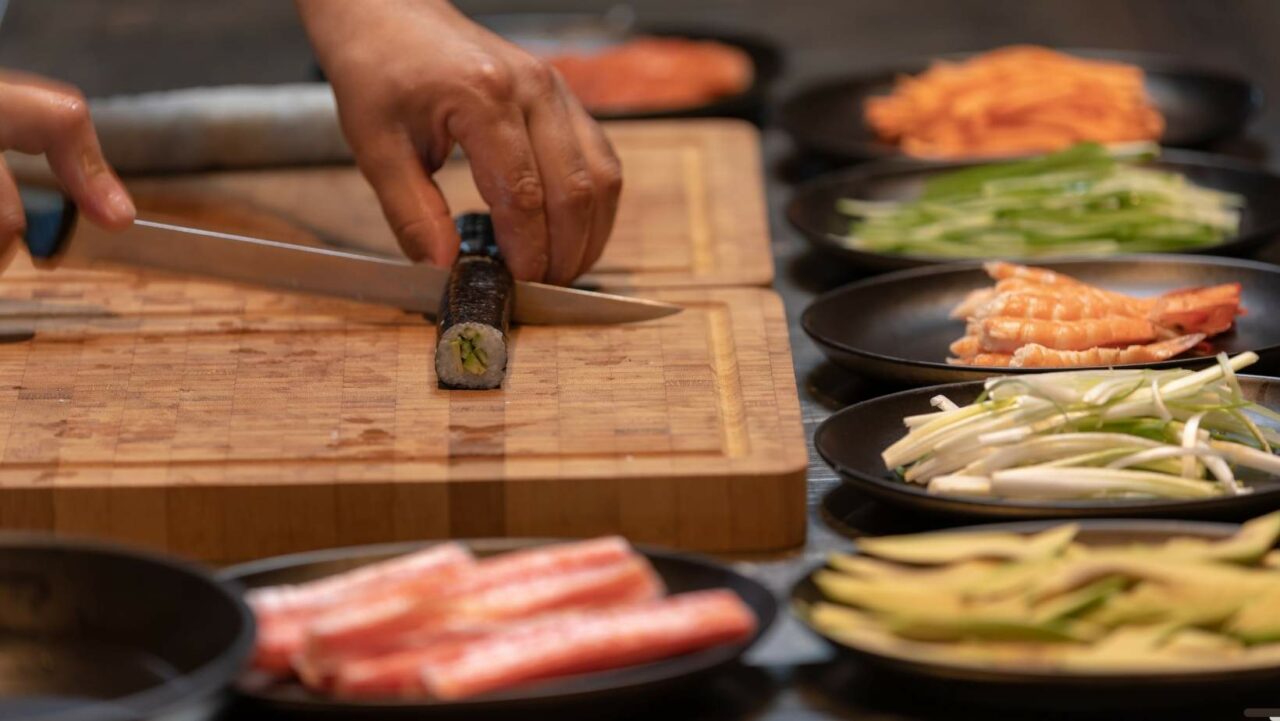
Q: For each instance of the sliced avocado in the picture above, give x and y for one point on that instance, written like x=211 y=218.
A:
x=1009 y=579
x=833 y=617
x=853 y=627
x=886 y=596
x=472 y=358
x=1157 y=569
x=1079 y=600
x=1271 y=560
x=1250 y=544
x=1258 y=621
x=973 y=627
x=1207 y=604
x=942 y=548
x=954 y=575
x=1128 y=648
x=1199 y=643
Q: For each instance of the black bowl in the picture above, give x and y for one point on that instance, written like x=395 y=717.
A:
x=851 y=441
x=584 y=694
x=1200 y=106
x=94 y=631
x=1032 y=688
x=812 y=209
x=895 y=327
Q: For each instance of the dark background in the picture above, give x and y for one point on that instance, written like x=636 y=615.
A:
x=126 y=46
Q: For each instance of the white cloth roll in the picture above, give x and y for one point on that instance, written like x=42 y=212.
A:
x=234 y=126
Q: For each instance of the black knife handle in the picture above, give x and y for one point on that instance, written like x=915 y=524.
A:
x=476 y=231
x=50 y=217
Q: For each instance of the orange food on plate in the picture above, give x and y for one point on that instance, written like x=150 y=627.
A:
x=651 y=73
x=1015 y=100
x=444 y=625
x=1036 y=318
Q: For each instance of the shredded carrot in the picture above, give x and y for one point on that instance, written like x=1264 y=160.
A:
x=1015 y=100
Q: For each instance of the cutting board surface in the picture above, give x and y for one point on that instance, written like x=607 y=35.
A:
x=227 y=423
x=691 y=214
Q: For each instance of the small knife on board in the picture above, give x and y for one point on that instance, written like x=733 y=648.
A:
x=56 y=236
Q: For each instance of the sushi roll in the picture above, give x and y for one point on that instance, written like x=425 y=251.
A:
x=471 y=342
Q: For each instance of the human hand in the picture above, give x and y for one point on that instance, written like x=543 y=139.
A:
x=411 y=77
x=42 y=116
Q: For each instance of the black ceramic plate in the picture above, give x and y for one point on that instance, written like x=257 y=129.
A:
x=547 y=33
x=812 y=209
x=1200 y=106
x=1046 y=689
x=680 y=572
x=851 y=441
x=895 y=327
x=92 y=631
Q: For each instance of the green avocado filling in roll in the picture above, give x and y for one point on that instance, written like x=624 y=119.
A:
x=470 y=354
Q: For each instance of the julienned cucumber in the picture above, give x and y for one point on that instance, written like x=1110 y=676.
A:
x=1083 y=200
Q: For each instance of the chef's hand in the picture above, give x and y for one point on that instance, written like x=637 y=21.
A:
x=42 y=116
x=413 y=76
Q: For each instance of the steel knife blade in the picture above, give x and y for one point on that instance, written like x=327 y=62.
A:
x=56 y=236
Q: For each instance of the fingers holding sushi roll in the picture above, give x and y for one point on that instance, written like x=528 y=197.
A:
x=411 y=77
x=606 y=173
x=506 y=172
x=582 y=177
x=570 y=187
x=411 y=201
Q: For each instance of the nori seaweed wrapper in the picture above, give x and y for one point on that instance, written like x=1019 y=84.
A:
x=479 y=297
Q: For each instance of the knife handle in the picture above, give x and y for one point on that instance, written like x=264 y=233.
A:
x=50 y=217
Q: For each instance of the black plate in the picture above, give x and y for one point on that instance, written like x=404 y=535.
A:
x=851 y=440
x=1057 y=690
x=812 y=209
x=551 y=32
x=895 y=327
x=1200 y=106
x=95 y=631
x=680 y=572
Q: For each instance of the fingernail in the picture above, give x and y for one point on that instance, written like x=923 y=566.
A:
x=121 y=205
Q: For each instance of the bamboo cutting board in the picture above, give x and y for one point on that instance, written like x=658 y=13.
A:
x=691 y=213
x=226 y=423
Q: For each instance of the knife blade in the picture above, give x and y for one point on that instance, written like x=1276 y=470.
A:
x=56 y=236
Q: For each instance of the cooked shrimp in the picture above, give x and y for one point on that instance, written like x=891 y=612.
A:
x=1210 y=310
x=1034 y=317
x=1054 y=307
x=1006 y=335
x=1000 y=270
x=1018 y=285
x=966 y=347
x=1038 y=356
x=984 y=360
x=972 y=302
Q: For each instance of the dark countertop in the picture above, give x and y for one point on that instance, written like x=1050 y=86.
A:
x=136 y=45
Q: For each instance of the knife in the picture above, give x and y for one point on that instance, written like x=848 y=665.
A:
x=56 y=236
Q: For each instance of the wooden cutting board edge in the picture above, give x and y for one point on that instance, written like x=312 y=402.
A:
x=758 y=506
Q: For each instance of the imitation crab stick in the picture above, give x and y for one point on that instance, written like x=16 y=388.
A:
x=628 y=581
x=283 y=612
x=360 y=626
x=590 y=641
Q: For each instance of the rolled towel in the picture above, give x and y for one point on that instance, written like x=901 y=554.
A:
x=234 y=126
